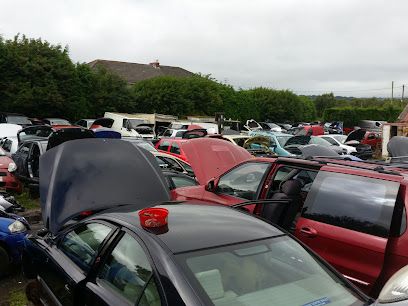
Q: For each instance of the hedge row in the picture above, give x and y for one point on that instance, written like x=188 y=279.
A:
x=352 y=115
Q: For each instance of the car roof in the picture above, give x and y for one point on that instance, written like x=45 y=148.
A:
x=193 y=226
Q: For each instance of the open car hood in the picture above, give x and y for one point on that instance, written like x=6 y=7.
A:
x=312 y=150
x=102 y=122
x=63 y=135
x=95 y=174
x=357 y=135
x=210 y=157
x=34 y=131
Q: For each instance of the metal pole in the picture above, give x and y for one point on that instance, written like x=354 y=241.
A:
x=392 y=90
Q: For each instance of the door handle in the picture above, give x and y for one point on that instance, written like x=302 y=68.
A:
x=309 y=232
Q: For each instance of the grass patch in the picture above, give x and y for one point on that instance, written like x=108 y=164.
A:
x=18 y=298
x=25 y=200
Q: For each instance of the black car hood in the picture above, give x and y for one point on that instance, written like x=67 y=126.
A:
x=95 y=174
x=357 y=135
x=398 y=146
x=66 y=134
x=298 y=140
x=317 y=150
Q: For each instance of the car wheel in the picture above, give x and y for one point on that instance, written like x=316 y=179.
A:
x=4 y=262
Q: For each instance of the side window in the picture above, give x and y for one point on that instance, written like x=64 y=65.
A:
x=331 y=140
x=167 y=133
x=357 y=203
x=243 y=181
x=179 y=134
x=82 y=244
x=127 y=272
x=25 y=149
x=179 y=181
x=305 y=177
x=188 y=168
x=175 y=148
x=164 y=146
x=172 y=164
x=7 y=145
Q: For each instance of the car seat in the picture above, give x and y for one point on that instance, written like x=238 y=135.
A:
x=212 y=284
x=284 y=214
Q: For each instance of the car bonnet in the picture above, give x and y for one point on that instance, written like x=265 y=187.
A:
x=356 y=135
x=95 y=174
x=210 y=157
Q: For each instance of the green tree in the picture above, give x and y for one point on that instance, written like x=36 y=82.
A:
x=39 y=79
x=324 y=101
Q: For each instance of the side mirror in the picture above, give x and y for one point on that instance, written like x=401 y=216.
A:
x=395 y=289
x=210 y=186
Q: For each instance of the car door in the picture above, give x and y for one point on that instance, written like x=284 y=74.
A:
x=20 y=158
x=69 y=259
x=346 y=219
x=33 y=162
x=126 y=276
x=242 y=183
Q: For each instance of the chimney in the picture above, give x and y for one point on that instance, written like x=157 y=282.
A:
x=155 y=64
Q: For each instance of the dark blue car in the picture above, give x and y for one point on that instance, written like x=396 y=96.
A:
x=137 y=248
x=13 y=233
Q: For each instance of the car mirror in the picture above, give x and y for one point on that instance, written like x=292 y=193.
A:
x=210 y=186
x=396 y=288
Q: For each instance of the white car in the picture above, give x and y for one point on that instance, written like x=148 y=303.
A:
x=338 y=140
x=9 y=145
x=238 y=140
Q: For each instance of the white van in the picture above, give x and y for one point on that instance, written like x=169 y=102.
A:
x=128 y=125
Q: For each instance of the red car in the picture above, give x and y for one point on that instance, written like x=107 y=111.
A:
x=211 y=157
x=373 y=139
x=8 y=181
x=172 y=146
x=353 y=214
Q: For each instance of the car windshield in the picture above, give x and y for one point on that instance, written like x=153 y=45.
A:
x=319 y=141
x=18 y=120
x=59 y=122
x=257 y=273
x=340 y=138
x=147 y=146
x=133 y=123
x=282 y=140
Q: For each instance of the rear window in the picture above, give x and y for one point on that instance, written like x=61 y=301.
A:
x=164 y=146
x=175 y=149
x=18 y=120
x=357 y=203
x=275 y=271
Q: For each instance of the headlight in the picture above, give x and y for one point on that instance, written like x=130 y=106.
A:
x=396 y=289
x=17 y=227
x=12 y=167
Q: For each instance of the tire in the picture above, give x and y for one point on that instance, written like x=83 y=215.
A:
x=4 y=262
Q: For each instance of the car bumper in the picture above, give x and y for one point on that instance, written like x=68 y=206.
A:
x=9 y=181
x=15 y=245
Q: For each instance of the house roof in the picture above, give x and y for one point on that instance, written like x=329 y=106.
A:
x=134 y=72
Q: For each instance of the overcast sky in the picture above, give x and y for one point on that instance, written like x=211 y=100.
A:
x=350 y=47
